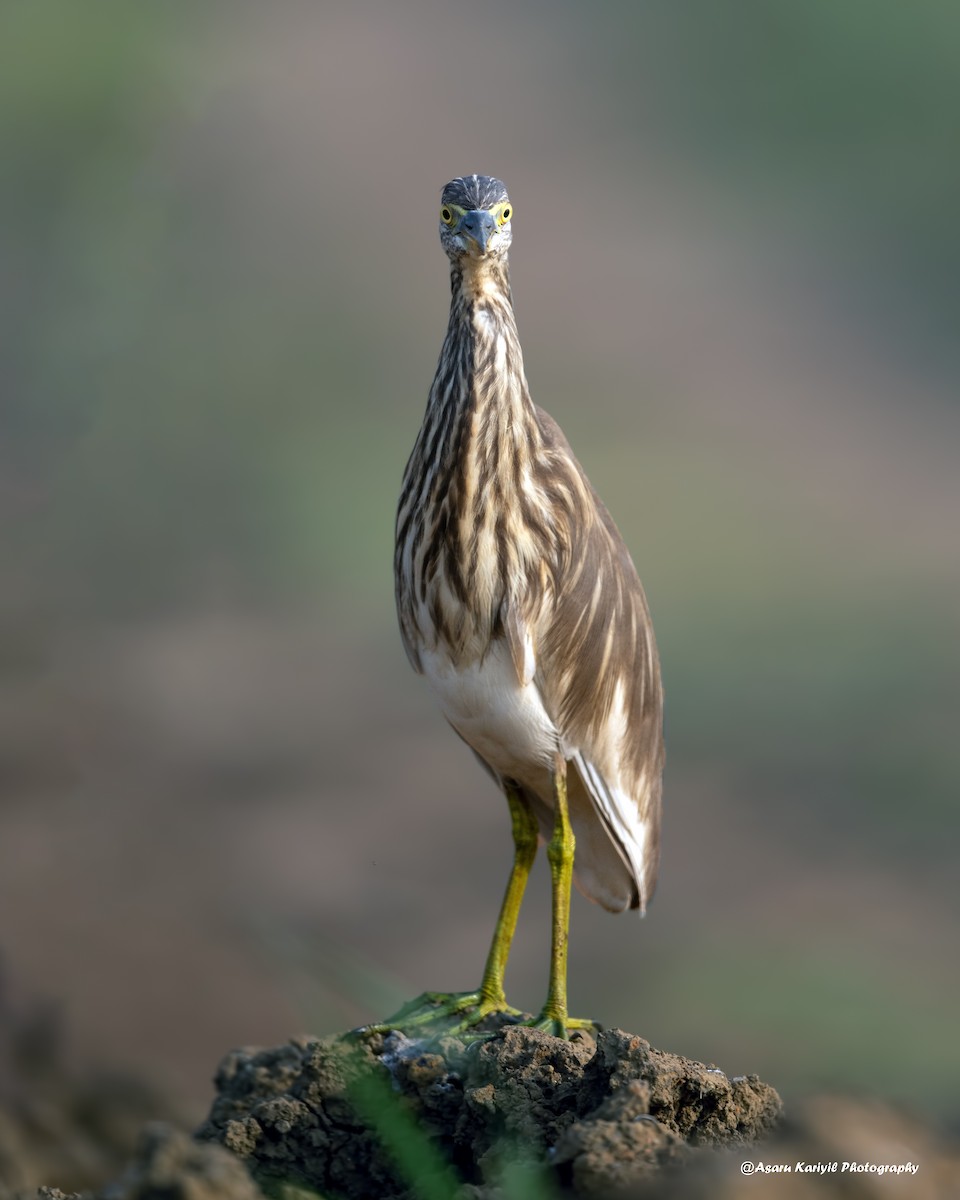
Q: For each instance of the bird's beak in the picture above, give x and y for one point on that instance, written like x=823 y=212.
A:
x=478 y=227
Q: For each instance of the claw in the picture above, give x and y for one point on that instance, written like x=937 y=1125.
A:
x=436 y=1008
x=562 y=1026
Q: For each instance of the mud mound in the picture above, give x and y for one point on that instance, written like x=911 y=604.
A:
x=377 y=1116
x=518 y=1116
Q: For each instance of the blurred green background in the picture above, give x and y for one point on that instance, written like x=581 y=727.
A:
x=229 y=810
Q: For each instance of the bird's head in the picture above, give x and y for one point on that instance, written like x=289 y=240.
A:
x=475 y=214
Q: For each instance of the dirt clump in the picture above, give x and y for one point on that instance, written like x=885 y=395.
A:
x=518 y=1115
x=366 y=1116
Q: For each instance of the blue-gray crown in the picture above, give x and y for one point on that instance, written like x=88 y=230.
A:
x=474 y=191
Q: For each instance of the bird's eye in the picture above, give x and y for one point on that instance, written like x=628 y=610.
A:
x=446 y=215
x=505 y=214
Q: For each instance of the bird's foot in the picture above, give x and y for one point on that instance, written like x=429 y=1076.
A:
x=438 y=1008
x=559 y=1025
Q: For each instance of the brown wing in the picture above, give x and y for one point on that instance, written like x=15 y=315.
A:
x=597 y=667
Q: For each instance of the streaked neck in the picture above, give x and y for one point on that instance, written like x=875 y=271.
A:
x=482 y=335
x=482 y=281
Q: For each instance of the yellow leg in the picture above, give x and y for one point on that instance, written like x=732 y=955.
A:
x=434 y=1007
x=524 y=826
x=553 y=1017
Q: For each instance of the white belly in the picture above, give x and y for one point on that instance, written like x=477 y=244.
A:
x=503 y=721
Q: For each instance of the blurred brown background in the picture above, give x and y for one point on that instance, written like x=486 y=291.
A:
x=229 y=810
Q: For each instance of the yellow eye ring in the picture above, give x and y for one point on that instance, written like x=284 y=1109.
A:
x=447 y=215
x=504 y=215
